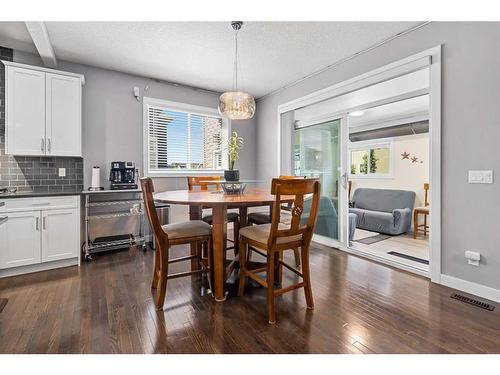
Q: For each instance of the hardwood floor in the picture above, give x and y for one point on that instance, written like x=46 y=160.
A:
x=360 y=307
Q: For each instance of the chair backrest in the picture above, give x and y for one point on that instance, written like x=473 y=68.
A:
x=288 y=206
x=285 y=177
x=149 y=206
x=299 y=188
x=203 y=182
x=426 y=194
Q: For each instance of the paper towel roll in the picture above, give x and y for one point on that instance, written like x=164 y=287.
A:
x=96 y=177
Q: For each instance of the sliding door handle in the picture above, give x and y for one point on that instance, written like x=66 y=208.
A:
x=44 y=223
x=3 y=219
x=37 y=224
x=344 y=179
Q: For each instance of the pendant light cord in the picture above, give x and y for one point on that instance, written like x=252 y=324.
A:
x=235 y=76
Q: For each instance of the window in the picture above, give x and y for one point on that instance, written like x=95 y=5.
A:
x=370 y=159
x=182 y=138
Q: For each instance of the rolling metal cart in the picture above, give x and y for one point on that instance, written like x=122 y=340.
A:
x=110 y=204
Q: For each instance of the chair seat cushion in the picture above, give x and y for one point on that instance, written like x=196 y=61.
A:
x=185 y=229
x=260 y=233
x=231 y=217
x=259 y=218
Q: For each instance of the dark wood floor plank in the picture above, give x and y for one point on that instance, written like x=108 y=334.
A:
x=106 y=306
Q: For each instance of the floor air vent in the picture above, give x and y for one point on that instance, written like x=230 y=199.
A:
x=474 y=302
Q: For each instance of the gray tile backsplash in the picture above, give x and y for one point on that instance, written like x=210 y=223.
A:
x=34 y=173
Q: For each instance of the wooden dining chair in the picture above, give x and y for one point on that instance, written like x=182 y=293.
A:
x=258 y=218
x=270 y=240
x=417 y=211
x=232 y=217
x=188 y=232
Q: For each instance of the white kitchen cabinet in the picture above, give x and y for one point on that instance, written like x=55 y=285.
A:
x=38 y=234
x=25 y=111
x=43 y=111
x=20 y=236
x=60 y=234
x=63 y=115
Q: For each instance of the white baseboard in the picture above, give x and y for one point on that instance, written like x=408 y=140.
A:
x=471 y=288
x=39 y=267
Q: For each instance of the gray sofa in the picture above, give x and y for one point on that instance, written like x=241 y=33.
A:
x=383 y=210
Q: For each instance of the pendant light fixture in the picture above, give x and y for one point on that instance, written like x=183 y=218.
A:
x=235 y=104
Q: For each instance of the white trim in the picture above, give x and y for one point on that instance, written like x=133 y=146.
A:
x=471 y=288
x=40 y=267
x=46 y=70
x=393 y=70
x=435 y=163
x=430 y=58
x=182 y=107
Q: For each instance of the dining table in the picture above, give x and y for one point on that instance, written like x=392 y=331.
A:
x=219 y=202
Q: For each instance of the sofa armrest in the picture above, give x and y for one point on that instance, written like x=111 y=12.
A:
x=402 y=219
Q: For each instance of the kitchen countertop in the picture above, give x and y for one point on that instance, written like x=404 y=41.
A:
x=33 y=194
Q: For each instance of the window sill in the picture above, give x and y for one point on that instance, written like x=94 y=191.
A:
x=184 y=173
x=371 y=177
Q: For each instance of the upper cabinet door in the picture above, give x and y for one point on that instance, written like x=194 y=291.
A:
x=63 y=115
x=25 y=112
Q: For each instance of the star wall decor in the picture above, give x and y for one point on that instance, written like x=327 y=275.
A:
x=414 y=159
x=405 y=155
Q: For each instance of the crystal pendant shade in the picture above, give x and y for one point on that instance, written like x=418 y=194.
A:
x=237 y=105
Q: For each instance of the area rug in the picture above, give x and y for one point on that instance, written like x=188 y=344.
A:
x=373 y=239
x=3 y=302
x=409 y=257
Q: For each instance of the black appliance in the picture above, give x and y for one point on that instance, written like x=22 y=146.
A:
x=122 y=175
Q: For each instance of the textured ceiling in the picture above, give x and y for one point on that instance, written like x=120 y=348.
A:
x=272 y=54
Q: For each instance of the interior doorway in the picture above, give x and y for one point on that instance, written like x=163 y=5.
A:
x=389 y=179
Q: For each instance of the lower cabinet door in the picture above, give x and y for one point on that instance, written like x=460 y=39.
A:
x=60 y=234
x=20 y=239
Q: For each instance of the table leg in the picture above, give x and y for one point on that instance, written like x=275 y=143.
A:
x=219 y=233
x=243 y=216
x=195 y=214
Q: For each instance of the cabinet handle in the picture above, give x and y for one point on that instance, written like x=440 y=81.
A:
x=3 y=219
x=37 y=225
x=49 y=144
x=43 y=145
x=44 y=226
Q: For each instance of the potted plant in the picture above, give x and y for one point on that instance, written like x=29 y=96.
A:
x=234 y=144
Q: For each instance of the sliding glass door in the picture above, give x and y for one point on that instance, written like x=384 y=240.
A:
x=318 y=151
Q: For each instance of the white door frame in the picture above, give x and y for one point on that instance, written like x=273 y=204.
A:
x=432 y=59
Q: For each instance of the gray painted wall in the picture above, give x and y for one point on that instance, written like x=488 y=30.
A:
x=112 y=121
x=470 y=134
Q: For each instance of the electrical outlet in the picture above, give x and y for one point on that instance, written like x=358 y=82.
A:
x=473 y=258
x=62 y=172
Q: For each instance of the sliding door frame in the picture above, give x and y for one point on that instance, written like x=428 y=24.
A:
x=430 y=58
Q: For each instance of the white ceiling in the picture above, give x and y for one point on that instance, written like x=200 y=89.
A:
x=272 y=54
x=400 y=109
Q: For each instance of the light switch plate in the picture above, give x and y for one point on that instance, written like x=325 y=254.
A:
x=62 y=172
x=481 y=177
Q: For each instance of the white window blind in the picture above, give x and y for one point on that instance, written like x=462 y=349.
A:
x=183 y=140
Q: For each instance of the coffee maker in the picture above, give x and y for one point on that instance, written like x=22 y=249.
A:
x=122 y=175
